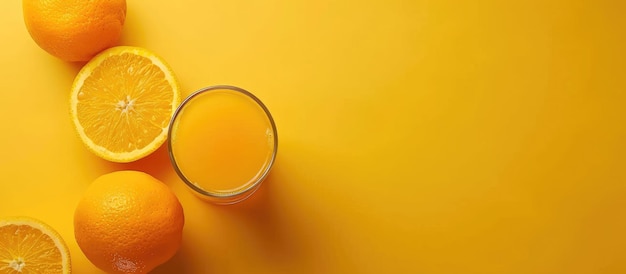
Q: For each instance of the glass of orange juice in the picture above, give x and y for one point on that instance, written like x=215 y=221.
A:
x=222 y=142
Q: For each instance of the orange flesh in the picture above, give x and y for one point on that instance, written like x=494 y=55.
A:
x=222 y=141
x=138 y=103
x=22 y=244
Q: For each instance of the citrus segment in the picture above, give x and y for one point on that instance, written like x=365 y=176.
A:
x=28 y=245
x=122 y=102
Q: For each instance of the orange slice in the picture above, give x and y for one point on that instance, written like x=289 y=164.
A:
x=122 y=102
x=29 y=246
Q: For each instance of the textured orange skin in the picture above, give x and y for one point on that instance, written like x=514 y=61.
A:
x=128 y=222
x=74 y=30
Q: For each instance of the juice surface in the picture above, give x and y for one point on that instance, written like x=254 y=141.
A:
x=222 y=141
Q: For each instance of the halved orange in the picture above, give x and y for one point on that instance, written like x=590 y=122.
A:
x=28 y=245
x=122 y=102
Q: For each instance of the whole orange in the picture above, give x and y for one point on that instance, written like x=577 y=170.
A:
x=74 y=30
x=128 y=222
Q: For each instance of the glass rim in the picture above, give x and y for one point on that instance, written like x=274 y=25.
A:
x=251 y=187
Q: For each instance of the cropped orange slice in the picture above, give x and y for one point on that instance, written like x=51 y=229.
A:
x=122 y=102
x=30 y=246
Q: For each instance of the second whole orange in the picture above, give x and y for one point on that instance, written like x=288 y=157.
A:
x=74 y=30
x=128 y=222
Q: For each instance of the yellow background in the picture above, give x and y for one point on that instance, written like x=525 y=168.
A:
x=414 y=136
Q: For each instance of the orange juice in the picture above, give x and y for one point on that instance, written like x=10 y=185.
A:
x=222 y=143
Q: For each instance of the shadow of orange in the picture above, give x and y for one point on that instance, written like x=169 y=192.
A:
x=73 y=67
x=178 y=263
x=156 y=164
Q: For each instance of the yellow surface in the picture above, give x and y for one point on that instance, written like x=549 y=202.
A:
x=414 y=136
x=222 y=141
